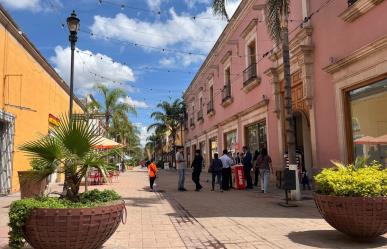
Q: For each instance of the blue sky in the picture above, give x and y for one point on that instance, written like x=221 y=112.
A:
x=151 y=48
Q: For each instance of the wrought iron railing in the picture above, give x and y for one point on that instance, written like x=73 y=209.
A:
x=226 y=93
x=200 y=115
x=249 y=73
x=210 y=106
x=351 y=2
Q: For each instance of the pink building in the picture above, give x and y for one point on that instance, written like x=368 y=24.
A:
x=339 y=84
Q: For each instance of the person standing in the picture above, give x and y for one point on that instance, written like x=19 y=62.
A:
x=256 y=169
x=152 y=170
x=265 y=167
x=216 y=171
x=247 y=166
x=237 y=159
x=226 y=170
x=180 y=166
x=197 y=165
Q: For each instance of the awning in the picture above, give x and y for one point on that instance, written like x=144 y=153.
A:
x=105 y=143
x=364 y=140
x=380 y=140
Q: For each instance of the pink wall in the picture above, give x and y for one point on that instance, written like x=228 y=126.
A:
x=335 y=38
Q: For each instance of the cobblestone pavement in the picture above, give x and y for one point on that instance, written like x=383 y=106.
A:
x=206 y=219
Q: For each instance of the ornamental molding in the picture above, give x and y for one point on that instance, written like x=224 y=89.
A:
x=359 y=8
x=358 y=55
x=250 y=27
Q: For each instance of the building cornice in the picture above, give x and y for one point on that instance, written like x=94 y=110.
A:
x=359 y=8
x=11 y=26
x=359 y=54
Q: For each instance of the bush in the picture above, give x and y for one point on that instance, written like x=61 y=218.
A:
x=21 y=209
x=356 y=180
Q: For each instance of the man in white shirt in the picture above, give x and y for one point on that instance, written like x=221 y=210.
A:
x=227 y=162
x=180 y=166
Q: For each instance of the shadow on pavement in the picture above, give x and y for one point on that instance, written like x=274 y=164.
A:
x=141 y=202
x=332 y=239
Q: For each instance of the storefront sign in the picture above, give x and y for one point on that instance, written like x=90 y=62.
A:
x=52 y=120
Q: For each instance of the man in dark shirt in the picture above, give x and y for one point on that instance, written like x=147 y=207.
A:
x=247 y=165
x=197 y=165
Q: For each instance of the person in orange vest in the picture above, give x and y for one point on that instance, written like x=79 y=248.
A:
x=152 y=170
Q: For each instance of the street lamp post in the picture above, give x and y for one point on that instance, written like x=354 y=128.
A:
x=73 y=26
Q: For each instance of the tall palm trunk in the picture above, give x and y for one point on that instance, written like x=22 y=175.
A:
x=289 y=126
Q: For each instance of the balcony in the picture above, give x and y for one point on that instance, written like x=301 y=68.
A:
x=357 y=8
x=192 y=122
x=226 y=95
x=250 y=78
x=200 y=116
x=210 y=108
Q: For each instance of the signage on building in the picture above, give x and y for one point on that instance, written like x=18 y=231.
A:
x=52 y=120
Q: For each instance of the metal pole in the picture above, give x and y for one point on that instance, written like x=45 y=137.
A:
x=73 y=40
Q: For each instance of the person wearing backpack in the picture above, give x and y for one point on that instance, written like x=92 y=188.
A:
x=216 y=171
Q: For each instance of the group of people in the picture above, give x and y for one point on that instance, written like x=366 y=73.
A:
x=221 y=169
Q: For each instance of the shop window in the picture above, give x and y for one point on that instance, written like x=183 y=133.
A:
x=230 y=139
x=256 y=136
x=368 y=121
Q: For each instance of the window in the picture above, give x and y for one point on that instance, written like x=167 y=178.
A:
x=256 y=136
x=227 y=84
x=367 y=121
x=230 y=141
x=251 y=53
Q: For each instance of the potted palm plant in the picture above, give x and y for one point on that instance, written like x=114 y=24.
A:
x=353 y=198
x=74 y=219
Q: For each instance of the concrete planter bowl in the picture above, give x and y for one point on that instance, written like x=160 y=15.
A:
x=363 y=218
x=73 y=228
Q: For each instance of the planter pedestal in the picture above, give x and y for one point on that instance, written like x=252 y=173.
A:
x=362 y=218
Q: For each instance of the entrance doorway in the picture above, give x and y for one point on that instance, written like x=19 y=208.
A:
x=255 y=136
x=7 y=122
x=303 y=143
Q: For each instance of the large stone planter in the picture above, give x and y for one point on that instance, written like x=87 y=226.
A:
x=73 y=228
x=29 y=187
x=362 y=218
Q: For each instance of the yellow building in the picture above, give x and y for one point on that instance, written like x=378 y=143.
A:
x=32 y=95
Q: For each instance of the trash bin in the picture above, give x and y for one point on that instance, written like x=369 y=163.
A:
x=238 y=176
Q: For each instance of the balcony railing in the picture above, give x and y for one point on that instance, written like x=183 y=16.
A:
x=351 y=2
x=226 y=93
x=200 y=115
x=210 y=107
x=249 y=74
x=192 y=122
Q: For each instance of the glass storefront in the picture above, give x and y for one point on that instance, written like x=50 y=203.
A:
x=213 y=143
x=256 y=136
x=230 y=139
x=368 y=118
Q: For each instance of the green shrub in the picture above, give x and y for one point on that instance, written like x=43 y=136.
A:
x=357 y=180
x=21 y=209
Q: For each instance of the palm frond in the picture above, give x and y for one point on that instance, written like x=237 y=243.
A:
x=275 y=10
x=219 y=8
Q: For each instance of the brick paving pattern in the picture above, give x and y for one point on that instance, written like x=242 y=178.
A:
x=206 y=219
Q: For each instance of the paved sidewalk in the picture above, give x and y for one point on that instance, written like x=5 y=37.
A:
x=206 y=219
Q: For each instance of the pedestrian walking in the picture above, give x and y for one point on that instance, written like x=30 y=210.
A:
x=256 y=169
x=247 y=166
x=216 y=171
x=152 y=170
x=227 y=162
x=180 y=166
x=265 y=167
x=197 y=165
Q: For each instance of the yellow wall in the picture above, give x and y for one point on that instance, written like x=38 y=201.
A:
x=26 y=83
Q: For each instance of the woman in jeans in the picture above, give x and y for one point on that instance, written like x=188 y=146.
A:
x=264 y=165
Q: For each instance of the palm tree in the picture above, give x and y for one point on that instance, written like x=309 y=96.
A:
x=169 y=119
x=112 y=104
x=71 y=150
x=276 y=18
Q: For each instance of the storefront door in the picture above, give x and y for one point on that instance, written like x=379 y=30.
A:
x=256 y=136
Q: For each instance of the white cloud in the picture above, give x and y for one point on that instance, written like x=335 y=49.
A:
x=179 y=31
x=33 y=5
x=155 y=5
x=193 y=3
x=84 y=81
x=133 y=102
x=144 y=134
x=167 y=62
